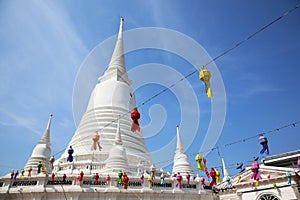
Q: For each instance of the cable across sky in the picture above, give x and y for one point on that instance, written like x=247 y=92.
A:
x=212 y=60
x=242 y=140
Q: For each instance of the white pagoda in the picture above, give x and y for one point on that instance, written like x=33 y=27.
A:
x=41 y=152
x=109 y=107
x=181 y=162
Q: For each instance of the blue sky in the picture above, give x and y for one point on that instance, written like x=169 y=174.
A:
x=44 y=43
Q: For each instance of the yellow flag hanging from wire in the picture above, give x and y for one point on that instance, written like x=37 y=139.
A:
x=205 y=76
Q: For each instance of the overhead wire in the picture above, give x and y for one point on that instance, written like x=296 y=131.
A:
x=238 y=141
x=264 y=133
x=225 y=52
x=255 y=33
x=193 y=72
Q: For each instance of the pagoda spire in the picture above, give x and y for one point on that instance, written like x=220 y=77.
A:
x=179 y=147
x=116 y=68
x=46 y=136
x=117 y=60
x=225 y=172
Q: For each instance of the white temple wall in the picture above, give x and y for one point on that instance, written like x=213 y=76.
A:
x=41 y=187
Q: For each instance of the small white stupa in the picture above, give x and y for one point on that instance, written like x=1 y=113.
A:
x=117 y=158
x=181 y=161
x=41 y=152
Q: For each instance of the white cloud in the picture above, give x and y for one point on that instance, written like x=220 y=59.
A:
x=40 y=54
x=28 y=123
x=258 y=89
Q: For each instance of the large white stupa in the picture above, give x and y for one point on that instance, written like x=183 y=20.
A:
x=110 y=105
x=103 y=144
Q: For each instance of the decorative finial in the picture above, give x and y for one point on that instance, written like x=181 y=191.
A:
x=179 y=147
x=49 y=121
